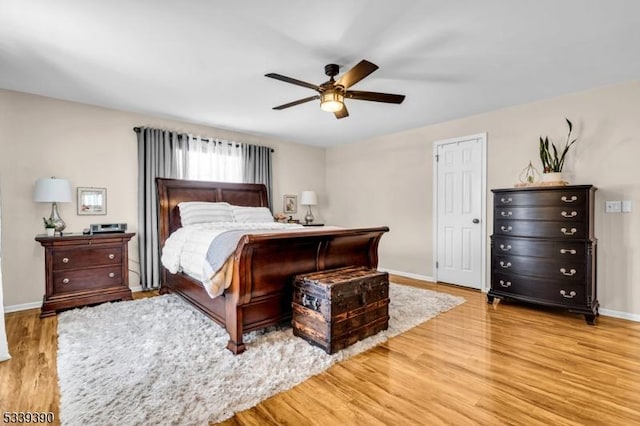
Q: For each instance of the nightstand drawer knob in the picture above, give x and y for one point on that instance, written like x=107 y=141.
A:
x=569 y=200
x=65 y=260
x=506 y=200
x=112 y=256
x=567 y=214
x=506 y=214
x=567 y=232
x=571 y=294
x=506 y=228
x=505 y=284
x=505 y=265
x=571 y=273
x=65 y=281
x=505 y=247
x=111 y=275
x=565 y=251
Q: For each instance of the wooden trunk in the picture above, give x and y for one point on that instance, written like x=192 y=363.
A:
x=335 y=308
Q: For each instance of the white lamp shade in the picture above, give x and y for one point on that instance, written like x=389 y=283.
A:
x=308 y=198
x=52 y=190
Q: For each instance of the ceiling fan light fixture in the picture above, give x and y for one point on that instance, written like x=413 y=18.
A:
x=331 y=101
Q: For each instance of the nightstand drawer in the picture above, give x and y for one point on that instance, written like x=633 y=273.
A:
x=567 y=250
x=541 y=290
x=87 y=279
x=555 y=268
x=556 y=197
x=541 y=229
x=81 y=257
x=564 y=213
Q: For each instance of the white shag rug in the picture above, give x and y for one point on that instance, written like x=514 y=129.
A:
x=159 y=361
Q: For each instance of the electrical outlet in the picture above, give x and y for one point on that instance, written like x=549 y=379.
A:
x=626 y=206
x=612 y=206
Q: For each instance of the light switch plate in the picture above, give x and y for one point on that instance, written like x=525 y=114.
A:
x=626 y=206
x=612 y=206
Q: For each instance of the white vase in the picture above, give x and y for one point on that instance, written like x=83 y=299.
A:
x=551 y=177
x=50 y=231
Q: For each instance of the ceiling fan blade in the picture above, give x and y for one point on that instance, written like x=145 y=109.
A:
x=342 y=113
x=298 y=102
x=293 y=81
x=374 y=96
x=357 y=73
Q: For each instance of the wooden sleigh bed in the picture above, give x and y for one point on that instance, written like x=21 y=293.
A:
x=261 y=289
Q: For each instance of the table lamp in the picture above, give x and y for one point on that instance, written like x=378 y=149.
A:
x=52 y=190
x=308 y=198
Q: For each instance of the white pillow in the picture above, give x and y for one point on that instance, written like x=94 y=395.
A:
x=252 y=214
x=192 y=212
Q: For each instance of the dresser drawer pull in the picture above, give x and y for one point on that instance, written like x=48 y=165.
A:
x=503 y=284
x=506 y=228
x=65 y=281
x=571 y=273
x=506 y=200
x=565 y=251
x=505 y=265
x=505 y=248
x=111 y=275
x=572 y=214
x=112 y=256
x=506 y=214
x=565 y=232
x=569 y=200
x=65 y=260
x=571 y=294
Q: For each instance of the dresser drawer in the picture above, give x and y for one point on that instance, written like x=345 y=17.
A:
x=87 y=279
x=84 y=256
x=549 y=291
x=561 y=198
x=541 y=229
x=568 y=250
x=554 y=268
x=541 y=213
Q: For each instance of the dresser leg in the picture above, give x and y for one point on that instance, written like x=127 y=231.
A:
x=490 y=299
x=590 y=319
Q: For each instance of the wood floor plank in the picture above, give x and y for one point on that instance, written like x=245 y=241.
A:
x=477 y=364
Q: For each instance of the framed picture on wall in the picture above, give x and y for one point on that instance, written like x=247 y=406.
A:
x=92 y=201
x=290 y=204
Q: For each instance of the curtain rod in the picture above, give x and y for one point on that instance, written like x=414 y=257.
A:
x=138 y=129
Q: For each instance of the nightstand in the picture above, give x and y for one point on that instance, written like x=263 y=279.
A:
x=83 y=270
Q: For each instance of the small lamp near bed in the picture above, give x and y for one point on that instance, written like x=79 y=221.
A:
x=308 y=198
x=52 y=190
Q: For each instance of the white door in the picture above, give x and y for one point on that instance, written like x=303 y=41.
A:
x=459 y=210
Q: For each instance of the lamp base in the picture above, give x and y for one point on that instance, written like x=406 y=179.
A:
x=309 y=216
x=56 y=219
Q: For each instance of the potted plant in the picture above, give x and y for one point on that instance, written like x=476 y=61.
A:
x=552 y=159
x=49 y=226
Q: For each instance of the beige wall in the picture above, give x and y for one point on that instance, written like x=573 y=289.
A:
x=388 y=180
x=93 y=146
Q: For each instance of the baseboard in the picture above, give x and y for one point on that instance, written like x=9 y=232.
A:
x=22 y=307
x=621 y=315
x=135 y=288
x=407 y=274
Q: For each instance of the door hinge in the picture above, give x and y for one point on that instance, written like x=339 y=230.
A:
x=437 y=157
x=437 y=265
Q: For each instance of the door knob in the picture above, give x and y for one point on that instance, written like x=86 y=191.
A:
x=476 y=220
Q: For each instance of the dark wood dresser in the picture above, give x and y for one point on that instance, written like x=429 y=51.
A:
x=84 y=270
x=543 y=249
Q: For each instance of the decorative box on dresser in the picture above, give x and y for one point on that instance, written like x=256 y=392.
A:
x=543 y=249
x=84 y=270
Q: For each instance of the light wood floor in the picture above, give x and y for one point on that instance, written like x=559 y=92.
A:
x=476 y=364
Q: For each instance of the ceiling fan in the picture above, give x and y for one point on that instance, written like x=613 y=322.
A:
x=332 y=93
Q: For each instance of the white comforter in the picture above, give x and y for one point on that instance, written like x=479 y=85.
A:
x=186 y=251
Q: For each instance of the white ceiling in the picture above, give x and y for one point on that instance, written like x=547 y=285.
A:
x=204 y=61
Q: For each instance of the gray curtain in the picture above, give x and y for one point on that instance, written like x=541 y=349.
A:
x=159 y=155
x=256 y=167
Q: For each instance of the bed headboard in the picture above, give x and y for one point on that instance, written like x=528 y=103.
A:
x=173 y=191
